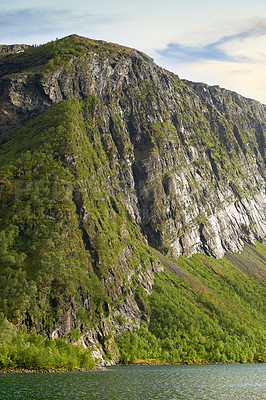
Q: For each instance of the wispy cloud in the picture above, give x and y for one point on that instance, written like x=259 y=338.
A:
x=215 y=50
x=187 y=54
x=31 y=21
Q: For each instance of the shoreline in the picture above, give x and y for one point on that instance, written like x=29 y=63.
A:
x=50 y=370
x=103 y=368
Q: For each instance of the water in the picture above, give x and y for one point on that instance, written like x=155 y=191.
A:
x=151 y=382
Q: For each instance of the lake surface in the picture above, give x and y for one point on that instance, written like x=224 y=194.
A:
x=148 y=382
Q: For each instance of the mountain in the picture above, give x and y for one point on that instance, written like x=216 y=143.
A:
x=132 y=206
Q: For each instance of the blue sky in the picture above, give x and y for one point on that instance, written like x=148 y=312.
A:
x=213 y=41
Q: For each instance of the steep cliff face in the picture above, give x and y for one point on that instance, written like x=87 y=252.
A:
x=193 y=156
x=155 y=162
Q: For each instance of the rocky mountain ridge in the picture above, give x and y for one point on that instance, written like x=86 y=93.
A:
x=234 y=124
x=176 y=165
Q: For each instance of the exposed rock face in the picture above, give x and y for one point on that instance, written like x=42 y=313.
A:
x=13 y=48
x=187 y=159
x=125 y=316
x=193 y=155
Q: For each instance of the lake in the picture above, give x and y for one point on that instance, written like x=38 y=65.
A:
x=147 y=382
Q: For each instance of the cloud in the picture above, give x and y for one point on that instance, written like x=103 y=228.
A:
x=217 y=50
x=28 y=22
x=15 y=20
x=187 y=54
x=235 y=61
x=33 y=26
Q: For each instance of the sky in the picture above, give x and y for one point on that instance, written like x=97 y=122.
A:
x=219 y=42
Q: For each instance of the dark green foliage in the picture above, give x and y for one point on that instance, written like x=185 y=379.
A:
x=219 y=317
x=31 y=351
x=48 y=254
x=36 y=213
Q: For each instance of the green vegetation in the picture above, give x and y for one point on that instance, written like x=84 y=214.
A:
x=214 y=313
x=30 y=351
x=49 y=255
x=37 y=212
x=55 y=54
x=84 y=185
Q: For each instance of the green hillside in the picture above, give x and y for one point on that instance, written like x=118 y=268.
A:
x=47 y=256
x=200 y=309
x=208 y=311
x=113 y=172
